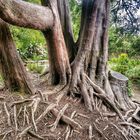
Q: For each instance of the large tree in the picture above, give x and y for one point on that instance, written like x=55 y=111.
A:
x=81 y=65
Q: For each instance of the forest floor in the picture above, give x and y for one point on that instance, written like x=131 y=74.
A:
x=57 y=116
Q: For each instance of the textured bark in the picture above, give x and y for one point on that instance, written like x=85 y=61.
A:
x=89 y=69
x=13 y=71
x=87 y=34
x=65 y=18
x=119 y=84
x=25 y=14
x=58 y=56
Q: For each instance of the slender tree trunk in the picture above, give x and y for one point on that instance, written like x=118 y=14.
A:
x=58 y=57
x=13 y=71
x=65 y=18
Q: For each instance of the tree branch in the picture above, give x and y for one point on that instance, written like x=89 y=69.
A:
x=25 y=14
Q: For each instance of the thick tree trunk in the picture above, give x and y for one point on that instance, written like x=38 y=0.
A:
x=13 y=70
x=25 y=14
x=58 y=56
x=89 y=69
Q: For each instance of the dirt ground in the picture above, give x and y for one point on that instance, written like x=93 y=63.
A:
x=18 y=123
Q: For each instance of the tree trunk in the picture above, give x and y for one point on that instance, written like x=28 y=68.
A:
x=13 y=71
x=89 y=69
x=58 y=57
x=65 y=19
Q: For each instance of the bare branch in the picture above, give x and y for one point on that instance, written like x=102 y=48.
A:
x=25 y=14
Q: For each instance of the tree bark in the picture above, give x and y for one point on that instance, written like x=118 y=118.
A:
x=13 y=70
x=25 y=14
x=65 y=19
x=58 y=57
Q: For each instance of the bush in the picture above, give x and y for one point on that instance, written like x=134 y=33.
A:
x=34 y=67
x=127 y=66
x=119 y=43
x=30 y=43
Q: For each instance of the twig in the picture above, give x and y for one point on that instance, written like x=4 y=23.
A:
x=21 y=102
x=90 y=132
x=109 y=114
x=19 y=111
x=82 y=115
x=7 y=113
x=15 y=118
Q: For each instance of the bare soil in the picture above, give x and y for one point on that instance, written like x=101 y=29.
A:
x=96 y=125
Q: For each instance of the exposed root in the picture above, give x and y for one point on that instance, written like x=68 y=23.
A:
x=34 y=106
x=103 y=96
x=84 y=93
x=99 y=131
x=31 y=133
x=120 y=131
x=109 y=114
x=136 y=115
x=67 y=120
x=61 y=113
x=20 y=110
x=5 y=134
x=7 y=113
x=15 y=118
x=49 y=108
x=21 y=102
x=130 y=124
x=82 y=115
x=90 y=132
x=128 y=112
x=59 y=97
x=68 y=129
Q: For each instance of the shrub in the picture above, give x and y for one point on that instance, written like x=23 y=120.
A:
x=30 y=43
x=127 y=66
x=36 y=68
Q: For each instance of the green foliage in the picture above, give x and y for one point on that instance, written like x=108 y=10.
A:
x=34 y=1
x=35 y=67
x=30 y=43
x=123 y=43
x=75 y=9
x=127 y=66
